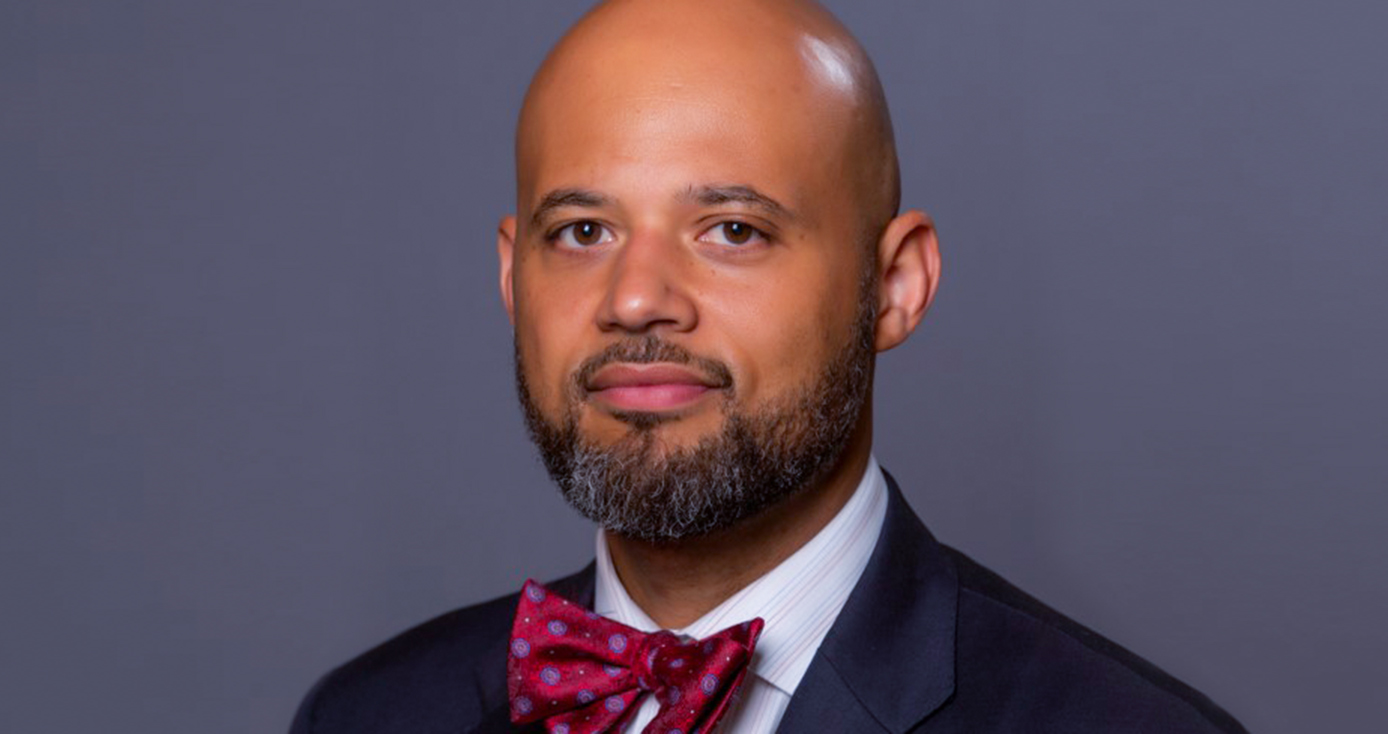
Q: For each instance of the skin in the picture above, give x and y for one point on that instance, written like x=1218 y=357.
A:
x=641 y=112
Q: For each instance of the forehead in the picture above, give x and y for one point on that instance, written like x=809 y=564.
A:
x=626 y=115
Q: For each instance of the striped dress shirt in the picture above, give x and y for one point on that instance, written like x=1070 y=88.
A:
x=798 y=599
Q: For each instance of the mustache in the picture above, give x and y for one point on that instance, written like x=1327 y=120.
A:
x=648 y=349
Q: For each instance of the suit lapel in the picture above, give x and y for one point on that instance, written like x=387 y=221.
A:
x=888 y=661
x=498 y=721
x=824 y=702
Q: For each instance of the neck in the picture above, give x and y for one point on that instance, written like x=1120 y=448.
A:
x=677 y=582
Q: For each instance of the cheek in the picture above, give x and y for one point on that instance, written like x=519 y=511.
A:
x=785 y=329
x=532 y=363
x=546 y=334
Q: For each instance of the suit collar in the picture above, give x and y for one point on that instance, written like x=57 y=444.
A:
x=890 y=653
x=578 y=588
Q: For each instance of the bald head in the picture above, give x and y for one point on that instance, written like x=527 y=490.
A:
x=785 y=70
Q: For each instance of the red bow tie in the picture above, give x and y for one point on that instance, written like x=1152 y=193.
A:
x=583 y=674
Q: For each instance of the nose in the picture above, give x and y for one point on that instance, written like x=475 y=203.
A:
x=647 y=288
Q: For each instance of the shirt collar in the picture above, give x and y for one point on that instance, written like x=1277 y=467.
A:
x=798 y=599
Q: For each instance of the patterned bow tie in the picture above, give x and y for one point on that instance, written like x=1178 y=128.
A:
x=582 y=674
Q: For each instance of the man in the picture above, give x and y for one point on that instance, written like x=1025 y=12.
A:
x=706 y=256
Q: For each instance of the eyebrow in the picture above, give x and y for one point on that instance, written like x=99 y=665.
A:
x=567 y=197
x=703 y=195
x=737 y=194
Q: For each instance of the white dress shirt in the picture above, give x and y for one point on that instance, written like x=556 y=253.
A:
x=798 y=599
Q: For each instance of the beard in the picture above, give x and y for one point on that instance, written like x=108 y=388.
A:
x=637 y=488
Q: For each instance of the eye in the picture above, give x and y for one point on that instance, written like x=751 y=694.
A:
x=733 y=234
x=579 y=235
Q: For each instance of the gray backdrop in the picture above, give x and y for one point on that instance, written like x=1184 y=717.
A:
x=257 y=405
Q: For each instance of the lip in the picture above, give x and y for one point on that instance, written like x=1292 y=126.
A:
x=649 y=388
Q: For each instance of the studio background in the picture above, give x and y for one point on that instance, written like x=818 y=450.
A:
x=258 y=409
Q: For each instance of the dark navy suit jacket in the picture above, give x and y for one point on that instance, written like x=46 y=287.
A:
x=928 y=642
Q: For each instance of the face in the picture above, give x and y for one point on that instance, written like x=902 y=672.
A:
x=692 y=290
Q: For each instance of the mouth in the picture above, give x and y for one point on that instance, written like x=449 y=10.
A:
x=659 y=387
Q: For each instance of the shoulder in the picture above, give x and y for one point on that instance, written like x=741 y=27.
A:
x=1022 y=663
x=443 y=675
x=433 y=677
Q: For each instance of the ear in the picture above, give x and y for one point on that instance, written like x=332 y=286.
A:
x=505 y=252
x=908 y=258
